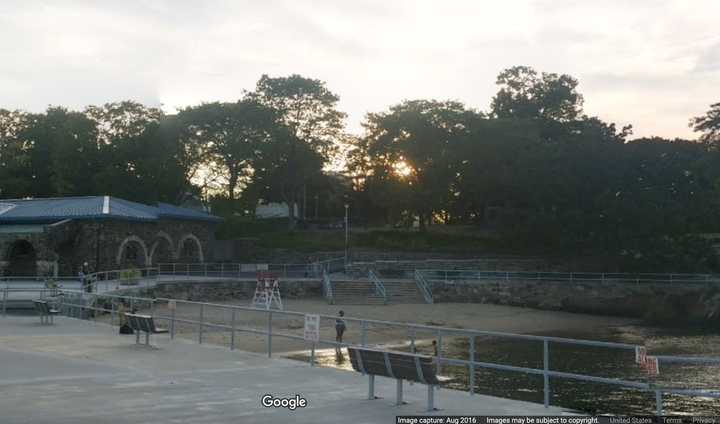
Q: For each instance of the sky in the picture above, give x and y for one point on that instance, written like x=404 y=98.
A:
x=650 y=63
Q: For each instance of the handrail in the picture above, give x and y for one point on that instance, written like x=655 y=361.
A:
x=472 y=364
x=118 y=276
x=447 y=275
x=236 y=269
x=424 y=287
x=379 y=286
x=327 y=286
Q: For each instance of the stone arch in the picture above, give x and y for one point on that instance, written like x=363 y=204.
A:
x=190 y=249
x=132 y=252
x=162 y=249
x=21 y=259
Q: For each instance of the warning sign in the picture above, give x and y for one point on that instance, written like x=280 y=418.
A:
x=640 y=354
x=312 y=327
x=649 y=363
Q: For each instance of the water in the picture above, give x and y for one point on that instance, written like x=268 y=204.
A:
x=594 y=398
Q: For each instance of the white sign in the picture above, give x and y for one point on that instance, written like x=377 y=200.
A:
x=648 y=363
x=172 y=305
x=312 y=328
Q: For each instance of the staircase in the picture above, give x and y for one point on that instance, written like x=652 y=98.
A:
x=403 y=291
x=362 y=292
x=356 y=292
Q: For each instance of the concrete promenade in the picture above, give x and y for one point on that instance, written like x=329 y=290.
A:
x=82 y=372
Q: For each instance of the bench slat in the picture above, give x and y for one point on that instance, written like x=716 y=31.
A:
x=398 y=365
x=144 y=323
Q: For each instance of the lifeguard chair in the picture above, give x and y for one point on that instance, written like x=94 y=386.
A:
x=267 y=292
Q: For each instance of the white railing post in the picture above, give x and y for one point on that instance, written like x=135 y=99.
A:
x=172 y=322
x=269 y=334
x=200 y=328
x=232 y=330
x=546 y=376
x=363 y=334
x=472 y=365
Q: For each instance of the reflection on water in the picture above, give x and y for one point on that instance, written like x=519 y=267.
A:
x=593 y=398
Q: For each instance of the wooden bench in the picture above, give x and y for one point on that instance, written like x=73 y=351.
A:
x=397 y=365
x=45 y=311
x=144 y=323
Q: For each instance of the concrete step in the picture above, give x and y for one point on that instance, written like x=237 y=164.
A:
x=363 y=292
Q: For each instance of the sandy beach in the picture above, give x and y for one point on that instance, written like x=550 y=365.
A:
x=456 y=315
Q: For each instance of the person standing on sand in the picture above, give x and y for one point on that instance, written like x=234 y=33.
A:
x=339 y=331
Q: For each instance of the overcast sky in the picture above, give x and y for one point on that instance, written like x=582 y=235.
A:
x=651 y=63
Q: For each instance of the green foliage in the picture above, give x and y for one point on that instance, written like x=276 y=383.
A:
x=130 y=276
x=309 y=129
x=535 y=170
x=229 y=136
x=708 y=125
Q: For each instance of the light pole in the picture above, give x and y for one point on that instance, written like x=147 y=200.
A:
x=347 y=239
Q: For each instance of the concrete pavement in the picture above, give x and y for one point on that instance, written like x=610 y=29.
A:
x=81 y=372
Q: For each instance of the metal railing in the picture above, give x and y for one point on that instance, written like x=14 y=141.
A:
x=424 y=287
x=104 y=281
x=249 y=270
x=327 y=287
x=35 y=293
x=203 y=324
x=379 y=286
x=7 y=280
x=449 y=276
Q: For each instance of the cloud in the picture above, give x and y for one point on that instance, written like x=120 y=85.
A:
x=644 y=62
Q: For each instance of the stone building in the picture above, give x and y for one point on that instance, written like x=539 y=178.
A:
x=55 y=236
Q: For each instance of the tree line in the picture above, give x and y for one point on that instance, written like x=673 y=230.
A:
x=534 y=165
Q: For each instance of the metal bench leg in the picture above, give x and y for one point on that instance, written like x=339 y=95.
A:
x=399 y=392
x=430 y=398
x=371 y=387
x=137 y=336
x=147 y=338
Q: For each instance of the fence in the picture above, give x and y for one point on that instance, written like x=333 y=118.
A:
x=205 y=320
x=11 y=295
x=424 y=286
x=238 y=270
x=327 y=288
x=104 y=281
x=449 y=276
x=379 y=286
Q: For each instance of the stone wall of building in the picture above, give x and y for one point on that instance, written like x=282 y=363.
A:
x=113 y=244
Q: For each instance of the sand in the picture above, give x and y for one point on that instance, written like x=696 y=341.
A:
x=456 y=315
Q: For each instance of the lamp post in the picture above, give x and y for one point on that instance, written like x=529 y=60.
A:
x=347 y=238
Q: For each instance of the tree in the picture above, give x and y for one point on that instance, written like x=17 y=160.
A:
x=708 y=125
x=141 y=153
x=312 y=128
x=15 y=167
x=62 y=152
x=525 y=94
x=231 y=136
x=414 y=142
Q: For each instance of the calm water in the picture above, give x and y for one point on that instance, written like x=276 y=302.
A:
x=590 y=397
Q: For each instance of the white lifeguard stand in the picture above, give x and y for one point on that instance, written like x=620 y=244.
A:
x=267 y=292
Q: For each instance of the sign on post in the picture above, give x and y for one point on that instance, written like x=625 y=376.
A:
x=649 y=363
x=312 y=327
x=171 y=305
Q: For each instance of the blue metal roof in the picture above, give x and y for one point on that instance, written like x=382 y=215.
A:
x=92 y=207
